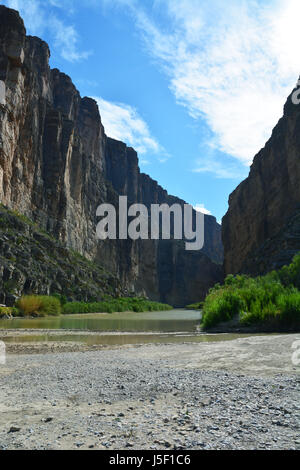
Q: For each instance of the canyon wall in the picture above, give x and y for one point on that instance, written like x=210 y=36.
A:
x=57 y=165
x=261 y=230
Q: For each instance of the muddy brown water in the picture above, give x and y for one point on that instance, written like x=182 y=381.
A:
x=112 y=329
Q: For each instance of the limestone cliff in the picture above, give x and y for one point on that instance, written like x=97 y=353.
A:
x=261 y=230
x=32 y=261
x=57 y=166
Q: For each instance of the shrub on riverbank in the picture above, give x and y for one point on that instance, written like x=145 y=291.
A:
x=42 y=305
x=8 y=312
x=134 y=304
x=196 y=306
x=270 y=301
x=39 y=305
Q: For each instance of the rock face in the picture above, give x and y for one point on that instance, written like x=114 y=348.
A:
x=31 y=261
x=57 y=166
x=261 y=230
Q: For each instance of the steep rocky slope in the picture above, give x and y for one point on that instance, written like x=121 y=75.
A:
x=57 y=166
x=261 y=230
x=33 y=261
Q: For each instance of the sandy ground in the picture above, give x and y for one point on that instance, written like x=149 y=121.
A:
x=240 y=394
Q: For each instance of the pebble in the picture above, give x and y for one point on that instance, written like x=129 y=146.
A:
x=14 y=429
x=48 y=420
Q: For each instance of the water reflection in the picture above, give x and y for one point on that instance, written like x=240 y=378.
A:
x=171 y=321
x=119 y=340
x=175 y=326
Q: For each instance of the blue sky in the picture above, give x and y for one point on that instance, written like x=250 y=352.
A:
x=194 y=86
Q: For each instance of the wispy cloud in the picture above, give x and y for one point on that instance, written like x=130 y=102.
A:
x=66 y=38
x=232 y=65
x=38 y=19
x=33 y=15
x=86 y=82
x=220 y=168
x=122 y=122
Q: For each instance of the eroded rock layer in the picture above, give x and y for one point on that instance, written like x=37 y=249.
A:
x=57 y=166
x=261 y=230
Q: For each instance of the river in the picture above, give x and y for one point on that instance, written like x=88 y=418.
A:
x=111 y=329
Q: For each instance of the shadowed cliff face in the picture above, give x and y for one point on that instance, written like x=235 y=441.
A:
x=57 y=166
x=261 y=230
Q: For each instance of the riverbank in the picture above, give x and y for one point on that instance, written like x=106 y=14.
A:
x=234 y=326
x=270 y=302
x=38 y=341
x=40 y=306
x=241 y=394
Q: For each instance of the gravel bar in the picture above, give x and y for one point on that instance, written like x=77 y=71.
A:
x=240 y=394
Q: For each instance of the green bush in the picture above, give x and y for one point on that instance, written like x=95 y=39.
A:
x=39 y=305
x=50 y=305
x=221 y=306
x=289 y=305
x=62 y=298
x=9 y=312
x=133 y=304
x=196 y=306
x=270 y=300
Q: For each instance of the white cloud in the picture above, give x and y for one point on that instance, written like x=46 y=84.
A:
x=32 y=14
x=86 y=82
x=231 y=64
x=66 y=39
x=122 y=122
x=220 y=168
x=201 y=208
x=38 y=19
x=144 y=162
